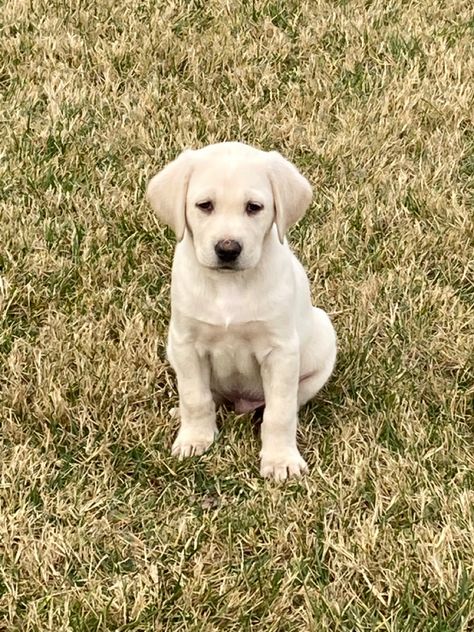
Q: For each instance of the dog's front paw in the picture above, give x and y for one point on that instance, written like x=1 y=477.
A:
x=191 y=443
x=282 y=464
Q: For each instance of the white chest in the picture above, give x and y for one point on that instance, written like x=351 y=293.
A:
x=235 y=354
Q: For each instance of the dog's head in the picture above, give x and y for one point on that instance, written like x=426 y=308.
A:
x=228 y=196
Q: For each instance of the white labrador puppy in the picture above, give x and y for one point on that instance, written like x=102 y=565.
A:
x=242 y=329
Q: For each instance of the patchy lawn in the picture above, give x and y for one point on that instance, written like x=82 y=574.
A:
x=100 y=528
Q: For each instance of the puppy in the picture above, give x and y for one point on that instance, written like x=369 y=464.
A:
x=243 y=329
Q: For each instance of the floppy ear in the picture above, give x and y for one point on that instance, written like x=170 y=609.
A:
x=167 y=191
x=292 y=193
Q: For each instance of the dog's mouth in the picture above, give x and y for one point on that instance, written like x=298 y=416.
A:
x=224 y=267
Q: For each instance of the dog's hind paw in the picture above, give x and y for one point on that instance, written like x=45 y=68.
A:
x=174 y=413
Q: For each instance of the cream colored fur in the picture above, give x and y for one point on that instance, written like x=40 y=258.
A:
x=247 y=334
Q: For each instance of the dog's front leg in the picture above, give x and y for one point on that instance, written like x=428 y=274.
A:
x=280 y=457
x=196 y=406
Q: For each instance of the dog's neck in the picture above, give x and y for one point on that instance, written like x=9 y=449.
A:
x=231 y=297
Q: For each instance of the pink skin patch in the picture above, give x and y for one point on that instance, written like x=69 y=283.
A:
x=244 y=405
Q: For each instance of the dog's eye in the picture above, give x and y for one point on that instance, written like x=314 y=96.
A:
x=253 y=207
x=206 y=207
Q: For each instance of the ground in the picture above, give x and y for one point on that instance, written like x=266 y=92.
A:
x=100 y=528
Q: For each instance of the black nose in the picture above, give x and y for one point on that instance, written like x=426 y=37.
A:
x=228 y=250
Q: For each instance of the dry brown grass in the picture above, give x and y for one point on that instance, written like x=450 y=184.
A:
x=100 y=529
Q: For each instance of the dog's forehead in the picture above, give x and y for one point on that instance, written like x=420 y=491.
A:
x=230 y=174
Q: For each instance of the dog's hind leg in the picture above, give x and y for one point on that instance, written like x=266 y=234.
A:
x=317 y=357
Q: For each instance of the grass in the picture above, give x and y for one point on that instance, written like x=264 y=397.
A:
x=100 y=529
